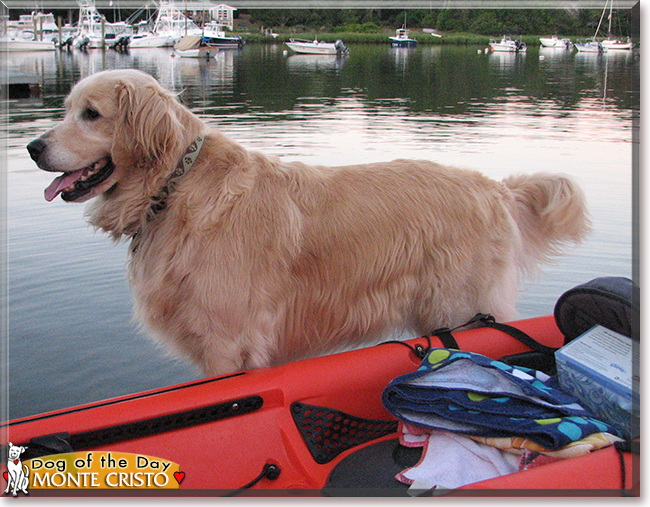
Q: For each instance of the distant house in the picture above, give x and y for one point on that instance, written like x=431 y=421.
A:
x=224 y=15
x=221 y=14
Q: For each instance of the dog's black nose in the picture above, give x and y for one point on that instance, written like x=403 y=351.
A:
x=36 y=148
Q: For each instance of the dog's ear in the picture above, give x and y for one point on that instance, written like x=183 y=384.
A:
x=147 y=126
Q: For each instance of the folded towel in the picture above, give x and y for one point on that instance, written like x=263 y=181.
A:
x=472 y=394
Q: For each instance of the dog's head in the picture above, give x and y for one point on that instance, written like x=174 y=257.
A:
x=119 y=125
x=15 y=451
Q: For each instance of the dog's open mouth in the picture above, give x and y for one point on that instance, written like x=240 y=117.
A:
x=75 y=185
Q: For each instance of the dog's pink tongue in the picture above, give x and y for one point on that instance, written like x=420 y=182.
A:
x=60 y=183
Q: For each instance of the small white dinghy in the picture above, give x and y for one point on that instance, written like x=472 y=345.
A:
x=191 y=46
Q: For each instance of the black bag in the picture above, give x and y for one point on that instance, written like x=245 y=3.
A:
x=612 y=302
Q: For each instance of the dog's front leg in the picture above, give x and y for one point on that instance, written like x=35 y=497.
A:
x=13 y=483
x=248 y=349
x=222 y=360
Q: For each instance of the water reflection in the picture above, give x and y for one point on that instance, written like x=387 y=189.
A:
x=507 y=63
x=262 y=76
x=315 y=63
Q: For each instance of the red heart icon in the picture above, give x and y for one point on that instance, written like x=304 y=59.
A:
x=179 y=476
x=5 y=475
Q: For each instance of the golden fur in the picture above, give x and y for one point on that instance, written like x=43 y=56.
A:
x=257 y=262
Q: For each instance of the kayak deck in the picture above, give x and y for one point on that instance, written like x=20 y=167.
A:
x=303 y=418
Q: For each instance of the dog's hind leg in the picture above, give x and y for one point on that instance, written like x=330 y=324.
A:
x=25 y=480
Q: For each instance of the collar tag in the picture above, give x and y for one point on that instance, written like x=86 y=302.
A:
x=184 y=165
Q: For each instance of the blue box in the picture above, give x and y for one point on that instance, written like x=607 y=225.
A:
x=601 y=369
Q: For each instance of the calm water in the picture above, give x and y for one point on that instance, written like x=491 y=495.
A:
x=72 y=339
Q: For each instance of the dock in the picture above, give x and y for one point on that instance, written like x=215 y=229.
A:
x=21 y=86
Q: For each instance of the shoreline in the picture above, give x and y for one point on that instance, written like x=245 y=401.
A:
x=382 y=38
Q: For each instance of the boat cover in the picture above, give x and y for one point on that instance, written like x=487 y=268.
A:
x=189 y=42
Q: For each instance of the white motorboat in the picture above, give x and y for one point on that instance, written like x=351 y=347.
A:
x=590 y=46
x=37 y=26
x=401 y=39
x=214 y=34
x=507 y=45
x=31 y=32
x=15 y=42
x=150 y=40
x=555 y=42
x=317 y=47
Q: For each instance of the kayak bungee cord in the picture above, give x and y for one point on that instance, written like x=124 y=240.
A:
x=270 y=471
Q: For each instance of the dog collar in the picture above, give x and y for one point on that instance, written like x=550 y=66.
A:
x=159 y=202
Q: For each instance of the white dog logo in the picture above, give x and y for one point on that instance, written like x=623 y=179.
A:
x=17 y=473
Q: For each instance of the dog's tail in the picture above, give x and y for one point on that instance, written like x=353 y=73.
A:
x=551 y=213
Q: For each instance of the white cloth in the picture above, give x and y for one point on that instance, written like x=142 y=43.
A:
x=450 y=461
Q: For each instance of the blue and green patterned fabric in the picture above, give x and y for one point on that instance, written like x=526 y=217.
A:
x=474 y=395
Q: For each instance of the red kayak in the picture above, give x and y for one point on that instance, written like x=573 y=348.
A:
x=284 y=430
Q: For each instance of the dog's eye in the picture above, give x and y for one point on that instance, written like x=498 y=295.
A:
x=91 y=114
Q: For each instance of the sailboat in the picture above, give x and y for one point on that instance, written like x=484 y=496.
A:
x=593 y=46
x=612 y=44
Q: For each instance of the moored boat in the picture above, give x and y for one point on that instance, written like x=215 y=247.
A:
x=401 y=39
x=13 y=42
x=193 y=46
x=150 y=40
x=37 y=26
x=290 y=427
x=507 y=45
x=317 y=47
x=93 y=30
x=215 y=35
x=555 y=42
x=31 y=32
x=610 y=43
x=590 y=46
x=170 y=26
x=617 y=45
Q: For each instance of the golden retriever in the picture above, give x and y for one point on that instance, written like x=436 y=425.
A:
x=248 y=261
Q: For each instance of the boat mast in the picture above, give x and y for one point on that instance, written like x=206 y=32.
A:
x=611 y=15
x=601 y=20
